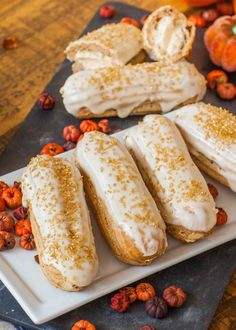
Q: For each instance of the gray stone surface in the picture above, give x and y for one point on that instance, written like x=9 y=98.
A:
x=203 y=277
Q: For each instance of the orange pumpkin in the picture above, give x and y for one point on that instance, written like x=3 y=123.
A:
x=83 y=325
x=145 y=291
x=220 y=41
x=88 y=126
x=23 y=227
x=201 y=3
x=51 y=149
x=27 y=242
x=130 y=292
x=12 y=197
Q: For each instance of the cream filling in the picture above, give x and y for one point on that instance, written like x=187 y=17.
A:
x=119 y=184
x=41 y=191
x=124 y=88
x=169 y=36
x=158 y=134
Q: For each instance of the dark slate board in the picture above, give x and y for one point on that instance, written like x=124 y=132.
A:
x=203 y=277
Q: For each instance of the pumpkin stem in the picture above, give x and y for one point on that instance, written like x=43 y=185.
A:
x=234 y=29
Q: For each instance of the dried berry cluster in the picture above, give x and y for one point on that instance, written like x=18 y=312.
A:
x=202 y=18
x=218 y=80
x=155 y=306
x=109 y=11
x=11 y=198
x=72 y=134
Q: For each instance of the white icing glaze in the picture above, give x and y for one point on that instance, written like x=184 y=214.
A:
x=182 y=192
x=124 y=88
x=211 y=131
x=167 y=34
x=66 y=231
x=112 y=44
x=117 y=181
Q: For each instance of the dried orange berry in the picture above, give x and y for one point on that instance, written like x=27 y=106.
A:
x=130 y=292
x=197 y=20
x=3 y=186
x=88 y=126
x=83 y=325
x=225 y=8
x=51 y=149
x=12 y=197
x=104 y=126
x=7 y=223
x=2 y=204
x=27 y=242
x=23 y=227
x=128 y=20
x=221 y=216
x=216 y=77
x=213 y=191
x=226 y=91
x=145 y=291
x=10 y=43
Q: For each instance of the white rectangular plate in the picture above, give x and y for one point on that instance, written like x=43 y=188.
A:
x=42 y=302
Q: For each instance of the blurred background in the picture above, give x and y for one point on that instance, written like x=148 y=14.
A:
x=41 y=29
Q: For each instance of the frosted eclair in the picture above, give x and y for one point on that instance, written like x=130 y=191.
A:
x=174 y=181
x=132 y=89
x=210 y=133
x=112 y=44
x=125 y=210
x=53 y=190
x=168 y=35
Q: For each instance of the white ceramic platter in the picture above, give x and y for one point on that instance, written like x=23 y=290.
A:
x=42 y=302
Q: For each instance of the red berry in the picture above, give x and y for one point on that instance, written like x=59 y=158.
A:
x=216 y=77
x=120 y=302
x=213 y=191
x=225 y=8
x=210 y=15
x=2 y=204
x=71 y=133
x=226 y=91
x=131 y=21
x=221 y=216
x=107 y=11
x=46 y=101
x=20 y=213
x=197 y=20
x=104 y=126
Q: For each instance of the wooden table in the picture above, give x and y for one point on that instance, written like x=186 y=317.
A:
x=43 y=29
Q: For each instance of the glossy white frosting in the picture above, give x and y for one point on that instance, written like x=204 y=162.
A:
x=180 y=187
x=211 y=131
x=167 y=34
x=117 y=181
x=112 y=44
x=124 y=88
x=53 y=189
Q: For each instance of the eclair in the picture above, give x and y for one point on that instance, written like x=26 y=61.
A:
x=168 y=35
x=132 y=89
x=124 y=208
x=112 y=44
x=174 y=181
x=210 y=133
x=53 y=191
